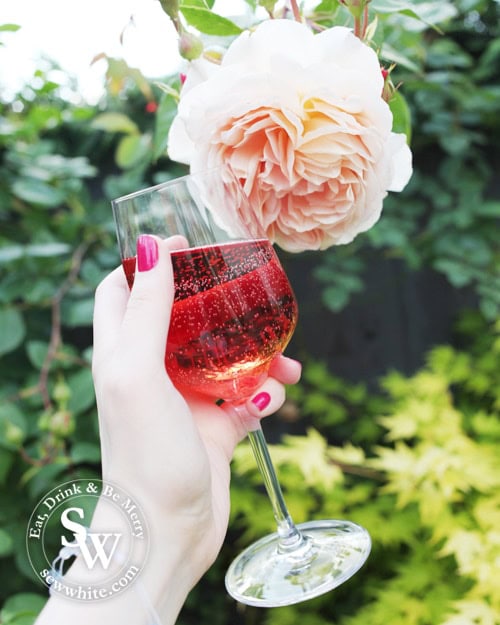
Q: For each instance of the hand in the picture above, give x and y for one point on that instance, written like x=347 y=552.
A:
x=170 y=451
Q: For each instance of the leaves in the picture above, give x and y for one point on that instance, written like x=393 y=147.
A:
x=22 y=609
x=13 y=329
x=164 y=118
x=37 y=192
x=115 y=122
x=204 y=20
x=132 y=150
x=401 y=115
x=430 y=13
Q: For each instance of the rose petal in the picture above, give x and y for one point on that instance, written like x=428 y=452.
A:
x=300 y=120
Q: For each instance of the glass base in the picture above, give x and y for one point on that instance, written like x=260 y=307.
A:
x=268 y=574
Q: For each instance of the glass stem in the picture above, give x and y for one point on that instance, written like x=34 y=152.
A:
x=290 y=537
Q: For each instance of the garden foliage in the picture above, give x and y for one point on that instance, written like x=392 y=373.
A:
x=415 y=462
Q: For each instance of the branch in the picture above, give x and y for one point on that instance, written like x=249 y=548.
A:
x=361 y=471
x=55 y=334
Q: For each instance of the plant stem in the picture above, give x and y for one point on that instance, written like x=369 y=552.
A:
x=295 y=10
x=55 y=334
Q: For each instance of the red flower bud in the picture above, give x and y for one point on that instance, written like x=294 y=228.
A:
x=151 y=107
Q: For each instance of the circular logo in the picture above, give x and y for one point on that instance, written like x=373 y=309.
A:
x=87 y=540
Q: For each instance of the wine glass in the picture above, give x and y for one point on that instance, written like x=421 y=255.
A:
x=234 y=311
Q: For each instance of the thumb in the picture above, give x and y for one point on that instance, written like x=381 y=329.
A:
x=147 y=316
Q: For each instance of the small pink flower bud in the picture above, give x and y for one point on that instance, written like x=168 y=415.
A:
x=190 y=46
x=388 y=88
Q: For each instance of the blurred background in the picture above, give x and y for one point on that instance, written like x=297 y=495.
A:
x=395 y=423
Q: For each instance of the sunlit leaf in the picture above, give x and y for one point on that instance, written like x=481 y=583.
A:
x=115 y=122
x=133 y=150
x=209 y=23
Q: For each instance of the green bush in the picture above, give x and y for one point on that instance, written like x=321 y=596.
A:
x=418 y=465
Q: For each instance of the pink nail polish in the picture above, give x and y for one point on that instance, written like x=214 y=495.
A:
x=262 y=400
x=147 y=252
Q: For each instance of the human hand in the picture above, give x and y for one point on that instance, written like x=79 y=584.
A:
x=171 y=451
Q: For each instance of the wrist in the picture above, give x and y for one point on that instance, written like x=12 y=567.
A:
x=141 y=575
x=165 y=574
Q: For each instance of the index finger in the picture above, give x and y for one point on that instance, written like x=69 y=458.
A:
x=110 y=303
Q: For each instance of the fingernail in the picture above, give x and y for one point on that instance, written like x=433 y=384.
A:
x=147 y=252
x=261 y=400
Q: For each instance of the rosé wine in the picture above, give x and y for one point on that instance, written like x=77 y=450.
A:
x=234 y=311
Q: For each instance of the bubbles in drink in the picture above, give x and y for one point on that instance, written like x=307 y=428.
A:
x=234 y=310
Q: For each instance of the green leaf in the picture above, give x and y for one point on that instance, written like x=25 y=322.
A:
x=430 y=13
x=391 y=6
x=82 y=391
x=401 y=115
x=209 y=23
x=78 y=313
x=9 y=28
x=133 y=150
x=202 y=4
x=489 y=208
x=433 y=13
x=13 y=330
x=37 y=352
x=6 y=543
x=25 y=606
x=47 y=250
x=10 y=253
x=388 y=53
x=37 y=192
x=6 y=461
x=41 y=479
x=164 y=118
x=115 y=122
x=13 y=426
x=335 y=298
x=268 y=4
x=85 y=452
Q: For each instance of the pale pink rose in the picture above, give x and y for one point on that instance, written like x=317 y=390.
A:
x=300 y=119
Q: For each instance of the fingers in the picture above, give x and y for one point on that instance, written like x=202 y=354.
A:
x=267 y=400
x=285 y=370
x=136 y=323
x=109 y=308
x=147 y=316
